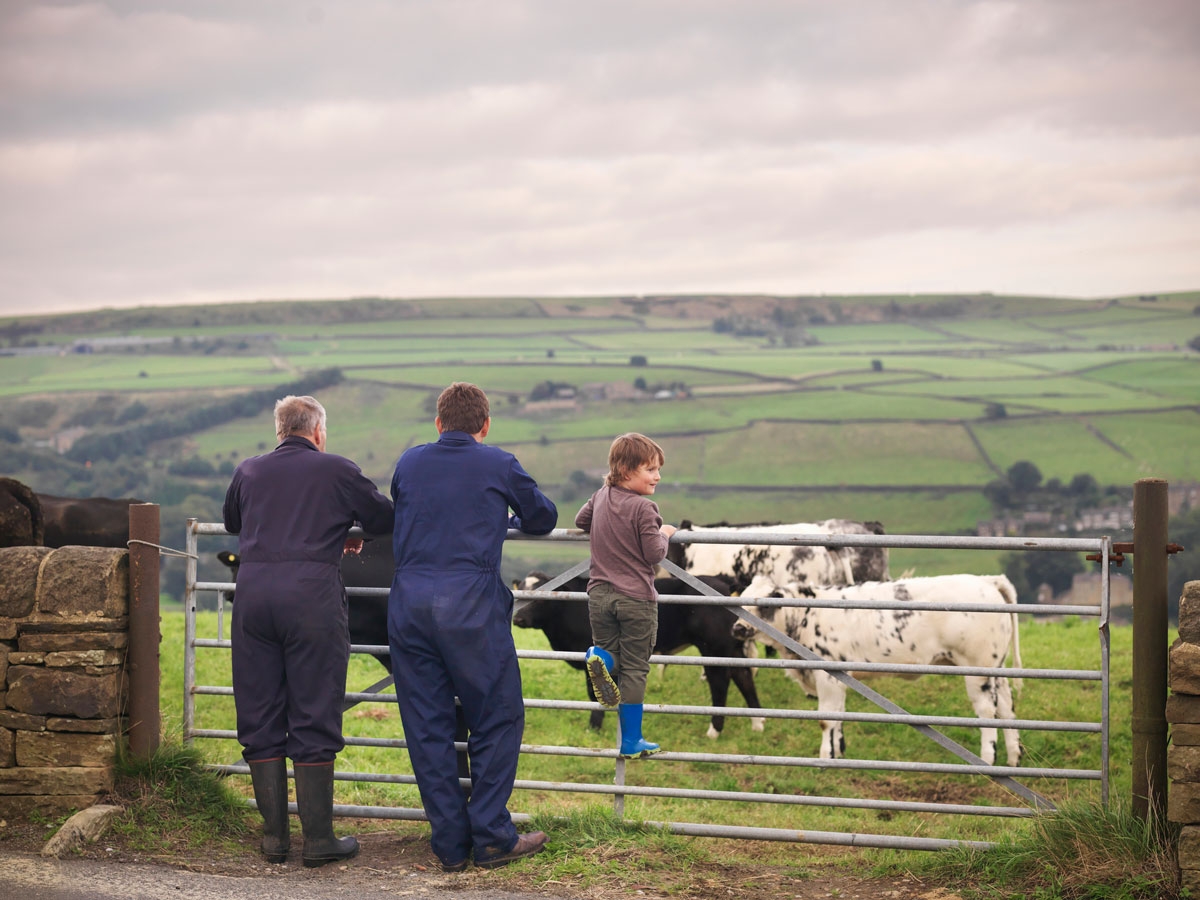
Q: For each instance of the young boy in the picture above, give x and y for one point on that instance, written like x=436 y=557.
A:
x=628 y=539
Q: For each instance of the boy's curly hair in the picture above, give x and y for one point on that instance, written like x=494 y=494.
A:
x=628 y=453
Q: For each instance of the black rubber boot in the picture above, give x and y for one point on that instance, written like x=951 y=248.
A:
x=314 y=797
x=269 y=777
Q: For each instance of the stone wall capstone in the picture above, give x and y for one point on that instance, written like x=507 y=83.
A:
x=64 y=631
x=1183 y=752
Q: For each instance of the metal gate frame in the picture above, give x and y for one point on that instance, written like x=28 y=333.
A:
x=1005 y=775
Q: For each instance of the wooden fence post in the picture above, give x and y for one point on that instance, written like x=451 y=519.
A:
x=1149 y=648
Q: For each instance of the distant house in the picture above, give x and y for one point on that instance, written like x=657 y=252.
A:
x=1105 y=518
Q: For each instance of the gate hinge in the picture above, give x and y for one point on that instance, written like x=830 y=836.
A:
x=1120 y=548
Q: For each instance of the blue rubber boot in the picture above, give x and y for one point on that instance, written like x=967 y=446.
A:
x=599 y=664
x=633 y=745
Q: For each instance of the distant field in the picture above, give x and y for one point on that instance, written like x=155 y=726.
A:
x=771 y=433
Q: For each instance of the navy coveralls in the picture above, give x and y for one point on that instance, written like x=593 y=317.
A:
x=291 y=510
x=450 y=630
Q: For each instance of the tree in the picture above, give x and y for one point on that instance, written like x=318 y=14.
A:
x=1194 y=343
x=877 y=365
x=1184 y=566
x=995 y=411
x=1029 y=570
x=1024 y=476
x=637 y=360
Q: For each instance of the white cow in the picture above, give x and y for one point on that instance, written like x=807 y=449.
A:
x=924 y=637
x=786 y=564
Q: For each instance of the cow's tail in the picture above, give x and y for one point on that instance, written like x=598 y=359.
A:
x=1010 y=596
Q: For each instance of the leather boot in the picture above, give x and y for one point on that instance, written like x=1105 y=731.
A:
x=314 y=797
x=269 y=777
x=633 y=745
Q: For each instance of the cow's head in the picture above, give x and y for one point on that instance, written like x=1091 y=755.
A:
x=531 y=613
x=760 y=587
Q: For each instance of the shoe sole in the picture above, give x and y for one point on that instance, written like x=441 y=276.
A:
x=641 y=754
x=607 y=693
x=505 y=860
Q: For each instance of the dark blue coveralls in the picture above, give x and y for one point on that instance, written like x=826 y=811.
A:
x=450 y=630
x=291 y=510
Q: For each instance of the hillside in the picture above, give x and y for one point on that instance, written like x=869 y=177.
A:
x=898 y=409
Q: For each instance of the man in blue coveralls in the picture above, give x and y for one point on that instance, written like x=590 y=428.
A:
x=292 y=509
x=450 y=627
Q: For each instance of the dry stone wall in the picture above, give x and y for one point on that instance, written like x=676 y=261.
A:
x=1183 y=752
x=64 y=631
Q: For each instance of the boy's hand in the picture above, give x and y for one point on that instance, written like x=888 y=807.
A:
x=666 y=529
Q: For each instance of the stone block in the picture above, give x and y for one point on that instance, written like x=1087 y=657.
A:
x=90 y=658
x=21 y=658
x=1183 y=763
x=50 y=748
x=1185 y=735
x=1181 y=709
x=7 y=748
x=18 y=587
x=88 y=640
x=1189 y=612
x=84 y=582
x=1183 y=803
x=8 y=629
x=19 y=721
x=1183 y=668
x=38 y=690
x=1189 y=881
x=56 y=781
x=85 y=726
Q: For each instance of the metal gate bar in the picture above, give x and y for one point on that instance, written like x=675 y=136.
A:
x=620 y=790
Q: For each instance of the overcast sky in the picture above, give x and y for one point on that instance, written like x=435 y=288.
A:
x=218 y=150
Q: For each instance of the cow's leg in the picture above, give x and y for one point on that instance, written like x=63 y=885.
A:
x=596 y=719
x=744 y=679
x=718 y=688
x=1006 y=710
x=982 y=694
x=831 y=697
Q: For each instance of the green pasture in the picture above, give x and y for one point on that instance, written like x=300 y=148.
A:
x=1063 y=448
x=1068 y=644
x=886 y=333
x=121 y=372
x=774 y=453
x=1175 y=378
x=1064 y=393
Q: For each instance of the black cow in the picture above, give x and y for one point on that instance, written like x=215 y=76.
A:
x=707 y=628
x=367 y=615
x=86 y=521
x=21 y=523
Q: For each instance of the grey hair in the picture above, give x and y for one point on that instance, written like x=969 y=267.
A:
x=298 y=415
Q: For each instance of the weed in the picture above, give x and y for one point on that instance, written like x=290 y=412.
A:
x=1080 y=852
x=172 y=799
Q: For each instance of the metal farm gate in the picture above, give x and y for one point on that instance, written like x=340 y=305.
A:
x=1016 y=780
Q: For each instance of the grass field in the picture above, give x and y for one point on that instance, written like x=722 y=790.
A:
x=1068 y=644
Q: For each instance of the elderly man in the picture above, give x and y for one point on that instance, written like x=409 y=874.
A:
x=292 y=510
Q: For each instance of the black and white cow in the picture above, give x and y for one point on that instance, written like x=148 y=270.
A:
x=920 y=637
x=707 y=628
x=786 y=564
